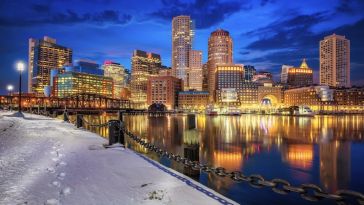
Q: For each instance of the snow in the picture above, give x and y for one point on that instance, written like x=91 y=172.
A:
x=47 y=161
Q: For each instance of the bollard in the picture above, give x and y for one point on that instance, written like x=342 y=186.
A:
x=191 y=152
x=79 y=122
x=115 y=134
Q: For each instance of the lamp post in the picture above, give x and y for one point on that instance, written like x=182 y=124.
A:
x=20 y=67
x=10 y=88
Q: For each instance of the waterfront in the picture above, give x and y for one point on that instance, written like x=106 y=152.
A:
x=325 y=150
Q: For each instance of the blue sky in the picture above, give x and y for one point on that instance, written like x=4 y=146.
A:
x=266 y=33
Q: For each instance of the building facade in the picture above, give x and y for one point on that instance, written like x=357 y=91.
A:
x=318 y=98
x=228 y=81
x=195 y=73
x=87 y=66
x=45 y=55
x=164 y=90
x=349 y=99
x=119 y=76
x=263 y=77
x=297 y=76
x=220 y=52
x=193 y=100
x=249 y=72
x=335 y=61
x=73 y=83
x=143 y=66
x=182 y=37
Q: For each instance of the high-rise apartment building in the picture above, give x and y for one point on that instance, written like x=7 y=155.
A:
x=143 y=66
x=220 y=52
x=118 y=74
x=205 y=77
x=229 y=79
x=87 y=66
x=45 y=55
x=335 y=61
x=182 y=37
x=195 y=74
x=297 y=76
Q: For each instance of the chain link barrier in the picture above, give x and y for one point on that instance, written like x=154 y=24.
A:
x=94 y=125
x=309 y=192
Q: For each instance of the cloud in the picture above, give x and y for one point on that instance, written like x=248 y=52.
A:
x=205 y=13
x=40 y=8
x=265 y=2
x=69 y=17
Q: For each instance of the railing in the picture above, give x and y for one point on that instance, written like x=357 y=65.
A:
x=309 y=192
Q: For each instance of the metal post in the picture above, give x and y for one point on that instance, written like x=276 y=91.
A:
x=191 y=121
x=20 y=91
x=79 y=122
x=120 y=116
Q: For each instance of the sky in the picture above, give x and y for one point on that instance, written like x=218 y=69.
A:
x=266 y=33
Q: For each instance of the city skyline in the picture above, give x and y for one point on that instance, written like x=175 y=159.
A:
x=312 y=20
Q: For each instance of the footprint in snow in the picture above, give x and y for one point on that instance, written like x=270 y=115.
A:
x=66 y=191
x=61 y=176
x=56 y=183
x=52 y=202
x=50 y=170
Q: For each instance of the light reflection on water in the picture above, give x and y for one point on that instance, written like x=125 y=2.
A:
x=300 y=149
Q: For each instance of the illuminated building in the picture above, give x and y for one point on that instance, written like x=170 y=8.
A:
x=229 y=79
x=220 y=52
x=263 y=77
x=143 y=66
x=249 y=72
x=164 y=90
x=45 y=55
x=165 y=71
x=297 y=77
x=317 y=97
x=87 y=66
x=193 y=100
x=349 y=99
x=335 y=61
x=182 y=37
x=73 y=83
x=205 y=77
x=195 y=73
x=118 y=74
x=248 y=94
x=272 y=94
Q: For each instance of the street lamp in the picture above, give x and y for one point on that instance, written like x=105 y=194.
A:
x=10 y=88
x=20 y=67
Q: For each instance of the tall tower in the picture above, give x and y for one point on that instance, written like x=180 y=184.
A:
x=143 y=66
x=220 y=52
x=195 y=75
x=335 y=61
x=182 y=36
x=117 y=72
x=45 y=55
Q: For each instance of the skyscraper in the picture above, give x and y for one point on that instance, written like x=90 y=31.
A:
x=143 y=66
x=195 y=75
x=45 y=55
x=220 y=52
x=118 y=74
x=335 y=61
x=182 y=37
x=297 y=76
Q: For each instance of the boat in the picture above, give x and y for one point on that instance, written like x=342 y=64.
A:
x=210 y=110
x=232 y=111
x=303 y=111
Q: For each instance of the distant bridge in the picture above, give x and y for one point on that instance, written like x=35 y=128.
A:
x=80 y=102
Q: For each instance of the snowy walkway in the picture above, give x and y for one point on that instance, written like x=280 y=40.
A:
x=47 y=161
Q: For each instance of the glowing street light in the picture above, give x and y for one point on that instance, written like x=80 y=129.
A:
x=10 y=88
x=20 y=67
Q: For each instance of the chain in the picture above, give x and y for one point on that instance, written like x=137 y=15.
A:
x=69 y=119
x=309 y=192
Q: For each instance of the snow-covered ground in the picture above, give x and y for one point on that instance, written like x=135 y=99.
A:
x=47 y=161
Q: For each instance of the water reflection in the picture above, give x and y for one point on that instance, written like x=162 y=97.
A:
x=299 y=149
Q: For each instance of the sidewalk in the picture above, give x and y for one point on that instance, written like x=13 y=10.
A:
x=47 y=161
